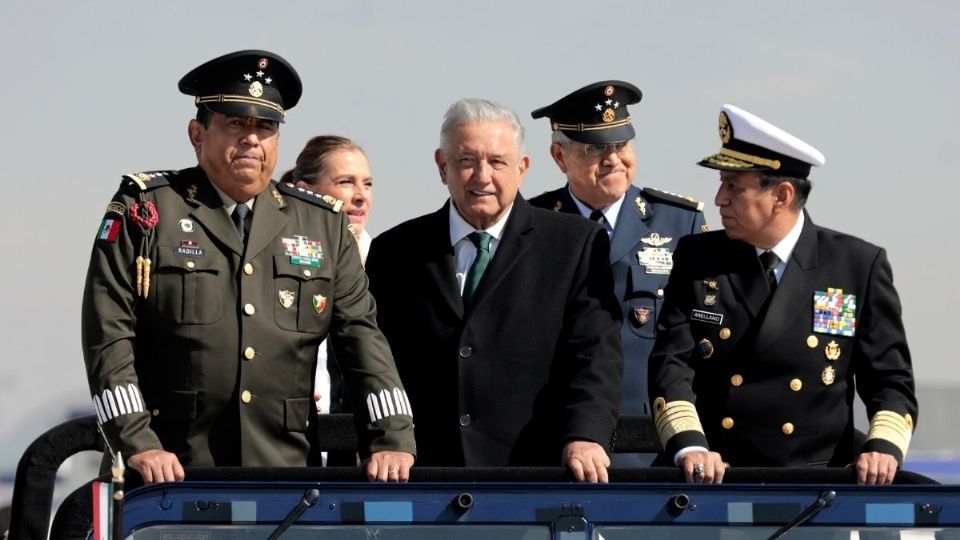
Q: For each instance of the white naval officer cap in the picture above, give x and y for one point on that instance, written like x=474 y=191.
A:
x=750 y=143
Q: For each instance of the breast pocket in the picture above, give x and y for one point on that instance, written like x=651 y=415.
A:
x=304 y=295
x=187 y=289
x=643 y=303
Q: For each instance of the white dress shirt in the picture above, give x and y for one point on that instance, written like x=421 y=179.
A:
x=464 y=252
x=610 y=213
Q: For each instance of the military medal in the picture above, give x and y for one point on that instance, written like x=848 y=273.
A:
x=812 y=341
x=286 y=298
x=705 y=348
x=641 y=315
x=834 y=312
x=828 y=376
x=656 y=259
x=832 y=350
x=302 y=251
x=319 y=303
x=709 y=299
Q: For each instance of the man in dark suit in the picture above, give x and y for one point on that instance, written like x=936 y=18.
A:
x=771 y=325
x=500 y=315
x=210 y=288
x=592 y=145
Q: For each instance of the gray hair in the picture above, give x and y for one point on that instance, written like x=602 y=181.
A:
x=468 y=110
x=560 y=138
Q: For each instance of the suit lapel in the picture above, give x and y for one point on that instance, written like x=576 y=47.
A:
x=208 y=211
x=268 y=221
x=793 y=296
x=513 y=245
x=631 y=225
x=748 y=279
x=441 y=272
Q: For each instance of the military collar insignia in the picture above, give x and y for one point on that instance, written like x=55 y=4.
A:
x=641 y=206
x=557 y=207
x=277 y=197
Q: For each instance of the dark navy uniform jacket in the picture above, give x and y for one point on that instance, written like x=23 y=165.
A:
x=773 y=383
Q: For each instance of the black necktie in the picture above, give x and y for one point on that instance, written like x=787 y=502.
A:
x=769 y=260
x=481 y=240
x=597 y=216
x=240 y=214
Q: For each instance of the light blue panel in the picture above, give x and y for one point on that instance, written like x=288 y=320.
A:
x=398 y=512
x=740 y=512
x=243 y=511
x=899 y=513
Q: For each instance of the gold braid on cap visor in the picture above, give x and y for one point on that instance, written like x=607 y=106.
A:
x=228 y=98
x=590 y=127
x=742 y=160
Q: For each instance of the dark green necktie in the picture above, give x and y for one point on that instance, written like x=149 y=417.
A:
x=241 y=221
x=481 y=240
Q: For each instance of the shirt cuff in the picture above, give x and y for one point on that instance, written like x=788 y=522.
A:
x=686 y=450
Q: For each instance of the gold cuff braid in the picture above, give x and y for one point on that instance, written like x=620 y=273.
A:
x=893 y=428
x=675 y=417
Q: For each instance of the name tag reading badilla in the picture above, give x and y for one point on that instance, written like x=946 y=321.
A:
x=706 y=316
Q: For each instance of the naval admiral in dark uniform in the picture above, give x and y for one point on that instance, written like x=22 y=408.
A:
x=592 y=145
x=210 y=288
x=771 y=325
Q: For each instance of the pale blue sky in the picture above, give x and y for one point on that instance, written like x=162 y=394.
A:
x=89 y=93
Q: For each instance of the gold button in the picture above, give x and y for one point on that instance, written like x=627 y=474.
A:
x=660 y=293
x=796 y=385
x=908 y=420
x=249 y=353
x=787 y=428
x=246 y=396
x=248 y=269
x=191 y=264
x=249 y=309
x=727 y=423
x=155 y=412
x=307 y=273
x=812 y=341
x=724 y=333
x=736 y=380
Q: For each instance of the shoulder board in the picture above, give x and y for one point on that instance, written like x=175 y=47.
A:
x=330 y=203
x=145 y=181
x=673 y=198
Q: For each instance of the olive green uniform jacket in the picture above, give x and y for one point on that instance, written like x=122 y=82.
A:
x=210 y=352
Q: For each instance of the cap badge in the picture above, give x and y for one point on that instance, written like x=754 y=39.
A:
x=255 y=89
x=656 y=240
x=609 y=115
x=319 y=303
x=832 y=350
x=286 y=298
x=608 y=91
x=641 y=315
x=828 y=376
x=726 y=131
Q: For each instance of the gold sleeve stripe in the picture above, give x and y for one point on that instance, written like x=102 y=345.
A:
x=893 y=428
x=675 y=417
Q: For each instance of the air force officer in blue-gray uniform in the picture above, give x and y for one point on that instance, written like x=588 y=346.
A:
x=592 y=134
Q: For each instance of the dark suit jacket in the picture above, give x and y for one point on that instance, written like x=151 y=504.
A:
x=766 y=391
x=534 y=364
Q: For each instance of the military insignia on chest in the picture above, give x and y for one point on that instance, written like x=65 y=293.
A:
x=286 y=298
x=656 y=259
x=641 y=315
x=834 y=312
x=319 y=303
x=302 y=250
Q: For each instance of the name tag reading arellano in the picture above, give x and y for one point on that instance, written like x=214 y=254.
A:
x=706 y=317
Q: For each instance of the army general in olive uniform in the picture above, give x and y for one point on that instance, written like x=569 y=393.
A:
x=210 y=288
